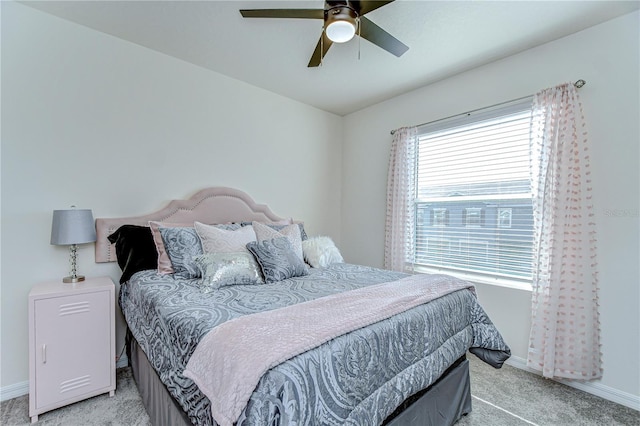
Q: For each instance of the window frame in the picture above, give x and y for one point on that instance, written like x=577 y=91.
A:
x=468 y=118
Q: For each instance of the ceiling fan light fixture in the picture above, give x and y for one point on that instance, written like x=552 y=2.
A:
x=340 y=31
x=341 y=24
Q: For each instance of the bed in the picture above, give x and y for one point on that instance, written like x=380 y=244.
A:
x=406 y=368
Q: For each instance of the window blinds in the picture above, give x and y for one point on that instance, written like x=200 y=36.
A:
x=473 y=193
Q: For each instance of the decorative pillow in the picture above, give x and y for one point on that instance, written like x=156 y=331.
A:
x=223 y=269
x=303 y=233
x=164 y=263
x=182 y=246
x=135 y=250
x=281 y=222
x=277 y=259
x=292 y=232
x=216 y=240
x=279 y=225
x=320 y=252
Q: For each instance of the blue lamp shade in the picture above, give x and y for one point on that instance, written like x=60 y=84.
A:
x=73 y=226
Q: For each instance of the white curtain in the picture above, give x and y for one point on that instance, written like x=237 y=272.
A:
x=565 y=332
x=399 y=225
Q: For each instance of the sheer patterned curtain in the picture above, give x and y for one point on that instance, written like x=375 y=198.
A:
x=565 y=330
x=399 y=226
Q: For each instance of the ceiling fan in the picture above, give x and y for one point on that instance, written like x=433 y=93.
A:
x=342 y=20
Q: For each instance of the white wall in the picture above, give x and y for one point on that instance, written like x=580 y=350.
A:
x=607 y=57
x=91 y=120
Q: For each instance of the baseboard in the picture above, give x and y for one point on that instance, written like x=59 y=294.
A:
x=19 y=389
x=594 y=388
x=14 y=391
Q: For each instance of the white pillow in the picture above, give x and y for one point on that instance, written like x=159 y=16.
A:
x=215 y=240
x=320 y=252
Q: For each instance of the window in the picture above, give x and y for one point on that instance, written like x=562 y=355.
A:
x=440 y=217
x=504 y=217
x=472 y=217
x=473 y=198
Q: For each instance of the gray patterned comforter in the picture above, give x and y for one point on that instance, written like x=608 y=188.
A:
x=357 y=379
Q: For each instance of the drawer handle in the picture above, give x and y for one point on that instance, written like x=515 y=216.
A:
x=44 y=354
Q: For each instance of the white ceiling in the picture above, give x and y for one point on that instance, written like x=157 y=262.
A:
x=444 y=38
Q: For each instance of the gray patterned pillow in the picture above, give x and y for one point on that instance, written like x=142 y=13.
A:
x=277 y=259
x=292 y=232
x=223 y=269
x=182 y=246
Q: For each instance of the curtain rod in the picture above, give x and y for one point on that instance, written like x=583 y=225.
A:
x=578 y=84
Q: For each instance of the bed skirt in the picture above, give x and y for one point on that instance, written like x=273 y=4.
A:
x=162 y=409
x=442 y=403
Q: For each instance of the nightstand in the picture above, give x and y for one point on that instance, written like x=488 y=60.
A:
x=71 y=343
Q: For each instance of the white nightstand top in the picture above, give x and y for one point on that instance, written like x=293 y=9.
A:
x=52 y=288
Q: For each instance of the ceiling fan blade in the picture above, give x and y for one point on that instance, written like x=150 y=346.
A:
x=365 y=6
x=381 y=38
x=323 y=44
x=283 y=13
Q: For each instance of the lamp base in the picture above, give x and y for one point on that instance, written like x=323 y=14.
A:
x=73 y=279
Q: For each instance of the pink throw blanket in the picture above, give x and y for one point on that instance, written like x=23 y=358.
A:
x=230 y=360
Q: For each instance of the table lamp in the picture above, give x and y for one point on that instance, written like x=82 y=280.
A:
x=72 y=227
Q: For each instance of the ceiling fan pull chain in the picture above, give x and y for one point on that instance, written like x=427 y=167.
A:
x=322 y=45
x=359 y=37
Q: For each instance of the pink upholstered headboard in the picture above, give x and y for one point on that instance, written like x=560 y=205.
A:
x=210 y=205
